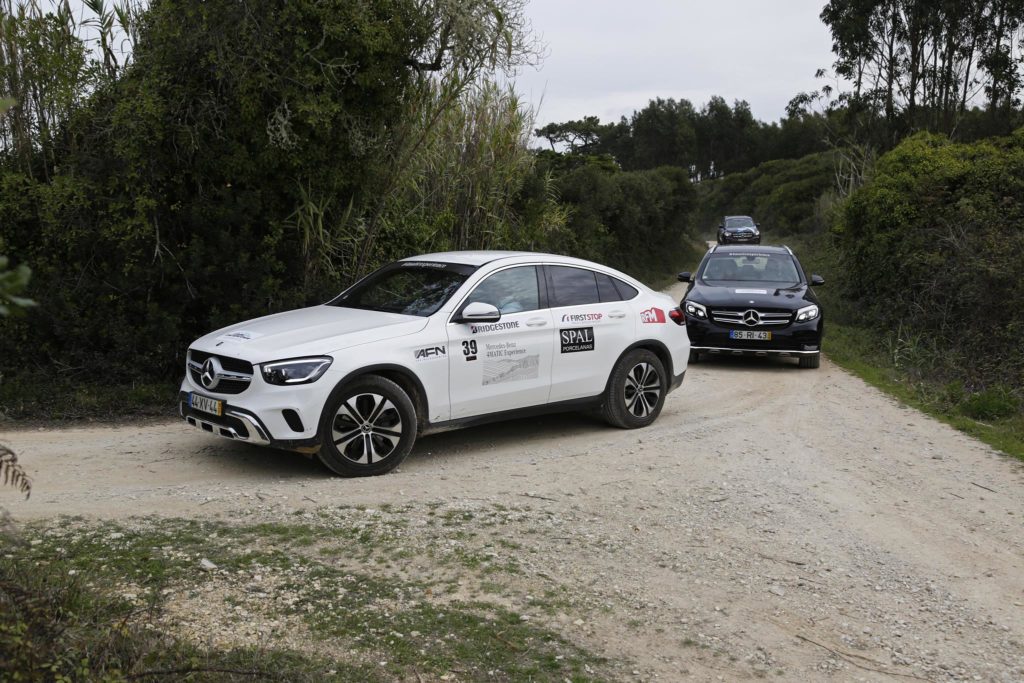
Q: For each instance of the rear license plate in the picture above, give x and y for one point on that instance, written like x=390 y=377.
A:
x=750 y=335
x=207 y=405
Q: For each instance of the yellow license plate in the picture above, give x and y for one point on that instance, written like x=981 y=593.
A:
x=206 y=404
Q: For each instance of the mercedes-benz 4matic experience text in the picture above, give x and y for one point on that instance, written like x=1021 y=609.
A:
x=753 y=300
x=433 y=342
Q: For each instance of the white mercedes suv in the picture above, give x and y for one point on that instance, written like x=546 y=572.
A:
x=434 y=342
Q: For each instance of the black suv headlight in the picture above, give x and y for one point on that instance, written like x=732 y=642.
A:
x=807 y=313
x=295 y=371
x=696 y=310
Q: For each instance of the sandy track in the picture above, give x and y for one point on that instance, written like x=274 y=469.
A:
x=777 y=522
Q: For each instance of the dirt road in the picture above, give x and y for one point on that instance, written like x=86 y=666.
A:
x=777 y=522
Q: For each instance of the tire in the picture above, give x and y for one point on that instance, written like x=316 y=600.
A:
x=368 y=427
x=624 y=406
x=810 y=360
x=694 y=357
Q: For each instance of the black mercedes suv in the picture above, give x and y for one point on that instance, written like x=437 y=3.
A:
x=753 y=300
x=739 y=230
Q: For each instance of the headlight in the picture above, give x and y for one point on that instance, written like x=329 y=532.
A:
x=296 y=371
x=696 y=310
x=807 y=313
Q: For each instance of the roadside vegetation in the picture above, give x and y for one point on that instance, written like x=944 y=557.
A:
x=339 y=594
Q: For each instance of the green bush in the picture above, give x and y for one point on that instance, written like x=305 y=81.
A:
x=933 y=252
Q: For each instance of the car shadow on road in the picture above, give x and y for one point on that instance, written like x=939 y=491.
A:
x=256 y=462
x=732 y=363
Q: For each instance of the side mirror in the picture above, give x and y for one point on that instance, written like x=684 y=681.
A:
x=757 y=225
x=721 y=225
x=479 y=312
x=685 y=276
x=817 y=280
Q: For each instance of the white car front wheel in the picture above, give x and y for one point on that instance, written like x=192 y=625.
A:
x=368 y=428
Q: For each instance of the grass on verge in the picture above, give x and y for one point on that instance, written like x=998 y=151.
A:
x=106 y=601
x=991 y=417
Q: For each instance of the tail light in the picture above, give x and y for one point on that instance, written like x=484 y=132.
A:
x=677 y=316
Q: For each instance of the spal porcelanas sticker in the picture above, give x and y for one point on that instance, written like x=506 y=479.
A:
x=652 y=315
x=577 y=339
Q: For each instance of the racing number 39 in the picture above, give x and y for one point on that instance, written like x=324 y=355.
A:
x=469 y=348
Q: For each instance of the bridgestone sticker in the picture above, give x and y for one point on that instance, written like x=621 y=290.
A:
x=508 y=362
x=577 y=339
x=494 y=327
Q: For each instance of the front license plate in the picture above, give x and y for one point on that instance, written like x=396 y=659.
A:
x=750 y=335
x=207 y=405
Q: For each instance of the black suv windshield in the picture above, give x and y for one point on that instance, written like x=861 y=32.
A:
x=407 y=287
x=739 y=222
x=774 y=268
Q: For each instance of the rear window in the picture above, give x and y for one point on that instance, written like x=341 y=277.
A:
x=573 y=286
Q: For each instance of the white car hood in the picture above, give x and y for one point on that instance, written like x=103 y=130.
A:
x=314 y=331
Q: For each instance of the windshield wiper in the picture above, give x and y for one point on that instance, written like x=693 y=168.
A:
x=792 y=288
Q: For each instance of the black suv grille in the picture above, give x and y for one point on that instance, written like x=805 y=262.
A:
x=225 y=386
x=764 y=317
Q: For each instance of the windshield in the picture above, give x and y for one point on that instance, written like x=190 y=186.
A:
x=751 y=268
x=739 y=222
x=407 y=287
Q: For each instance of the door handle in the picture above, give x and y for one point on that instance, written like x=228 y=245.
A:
x=536 y=322
x=617 y=314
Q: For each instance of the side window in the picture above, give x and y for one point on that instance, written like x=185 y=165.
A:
x=606 y=288
x=626 y=291
x=511 y=291
x=573 y=286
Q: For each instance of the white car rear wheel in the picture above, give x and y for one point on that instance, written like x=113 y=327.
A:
x=636 y=390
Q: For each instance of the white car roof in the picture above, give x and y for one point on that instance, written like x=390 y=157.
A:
x=479 y=258
x=470 y=258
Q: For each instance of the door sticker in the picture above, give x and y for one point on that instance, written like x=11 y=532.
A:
x=582 y=317
x=508 y=362
x=469 y=349
x=494 y=327
x=577 y=339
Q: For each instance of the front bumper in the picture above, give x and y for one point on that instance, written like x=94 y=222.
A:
x=741 y=239
x=795 y=339
x=241 y=424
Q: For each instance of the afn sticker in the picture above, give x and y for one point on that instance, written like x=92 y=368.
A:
x=431 y=353
x=577 y=339
x=652 y=315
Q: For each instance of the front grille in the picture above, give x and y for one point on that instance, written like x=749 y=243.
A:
x=236 y=366
x=230 y=364
x=766 y=318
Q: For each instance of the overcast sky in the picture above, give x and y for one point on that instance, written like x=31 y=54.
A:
x=608 y=58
